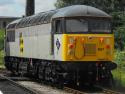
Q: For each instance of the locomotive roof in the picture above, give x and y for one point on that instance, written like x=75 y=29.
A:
x=13 y=24
x=45 y=17
x=80 y=10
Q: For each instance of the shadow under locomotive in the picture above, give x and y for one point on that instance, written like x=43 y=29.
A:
x=77 y=73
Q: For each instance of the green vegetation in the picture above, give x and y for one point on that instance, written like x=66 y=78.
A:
x=1 y=48
x=119 y=76
x=106 y=5
x=119 y=73
x=119 y=30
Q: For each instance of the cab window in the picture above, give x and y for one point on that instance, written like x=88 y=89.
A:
x=58 y=27
x=11 y=36
x=80 y=25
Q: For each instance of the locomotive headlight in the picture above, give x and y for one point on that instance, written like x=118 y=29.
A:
x=108 y=49
x=82 y=40
x=71 y=46
x=101 y=40
x=71 y=40
x=71 y=51
x=75 y=39
x=108 y=46
x=107 y=41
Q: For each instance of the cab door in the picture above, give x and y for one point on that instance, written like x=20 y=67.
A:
x=57 y=33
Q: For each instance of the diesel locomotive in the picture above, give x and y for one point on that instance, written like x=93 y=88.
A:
x=74 y=44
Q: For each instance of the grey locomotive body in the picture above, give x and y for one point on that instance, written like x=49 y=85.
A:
x=38 y=45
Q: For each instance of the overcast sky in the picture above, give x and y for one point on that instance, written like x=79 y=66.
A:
x=17 y=7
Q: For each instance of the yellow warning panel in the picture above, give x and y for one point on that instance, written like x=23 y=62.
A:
x=21 y=44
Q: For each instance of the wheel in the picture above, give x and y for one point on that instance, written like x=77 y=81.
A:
x=48 y=73
x=41 y=72
x=29 y=69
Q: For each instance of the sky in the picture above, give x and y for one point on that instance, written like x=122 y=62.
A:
x=16 y=8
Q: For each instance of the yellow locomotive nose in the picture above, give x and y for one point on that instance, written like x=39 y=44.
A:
x=76 y=47
x=80 y=47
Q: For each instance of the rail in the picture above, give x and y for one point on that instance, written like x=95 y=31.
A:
x=15 y=84
x=104 y=91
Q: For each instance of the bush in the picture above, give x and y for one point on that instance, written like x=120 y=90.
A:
x=120 y=38
x=119 y=29
x=119 y=57
x=1 y=48
x=1 y=39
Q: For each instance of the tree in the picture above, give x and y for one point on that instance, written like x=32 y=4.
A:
x=106 y=5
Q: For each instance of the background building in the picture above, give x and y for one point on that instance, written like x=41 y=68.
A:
x=4 y=21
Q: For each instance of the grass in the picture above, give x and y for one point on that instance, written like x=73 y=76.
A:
x=119 y=73
x=119 y=76
x=2 y=48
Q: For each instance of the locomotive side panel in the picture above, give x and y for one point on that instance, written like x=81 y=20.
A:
x=36 y=42
x=21 y=34
x=58 y=44
x=11 y=47
x=44 y=42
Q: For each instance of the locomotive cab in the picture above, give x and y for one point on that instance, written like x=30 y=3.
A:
x=83 y=39
x=84 y=43
x=90 y=39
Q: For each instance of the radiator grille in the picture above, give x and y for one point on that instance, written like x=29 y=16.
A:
x=90 y=49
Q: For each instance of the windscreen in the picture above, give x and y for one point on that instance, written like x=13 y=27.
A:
x=89 y=25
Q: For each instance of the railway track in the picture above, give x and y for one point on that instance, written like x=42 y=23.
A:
x=107 y=91
x=104 y=91
x=73 y=91
x=8 y=86
x=37 y=88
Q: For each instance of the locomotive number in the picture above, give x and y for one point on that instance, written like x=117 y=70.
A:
x=100 y=49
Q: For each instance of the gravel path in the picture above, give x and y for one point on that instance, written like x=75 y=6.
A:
x=42 y=89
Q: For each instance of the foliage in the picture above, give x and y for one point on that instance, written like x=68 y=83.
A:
x=1 y=40
x=119 y=57
x=118 y=19
x=119 y=29
x=119 y=76
x=1 y=59
x=1 y=48
x=106 y=5
x=119 y=73
x=120 y=38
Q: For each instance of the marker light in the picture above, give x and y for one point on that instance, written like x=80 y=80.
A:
x=83 y=40
x=107 y=41
x=101 y=40
x=71 y=40
x=108 y=46
x=71 y=46
x=75 y=38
